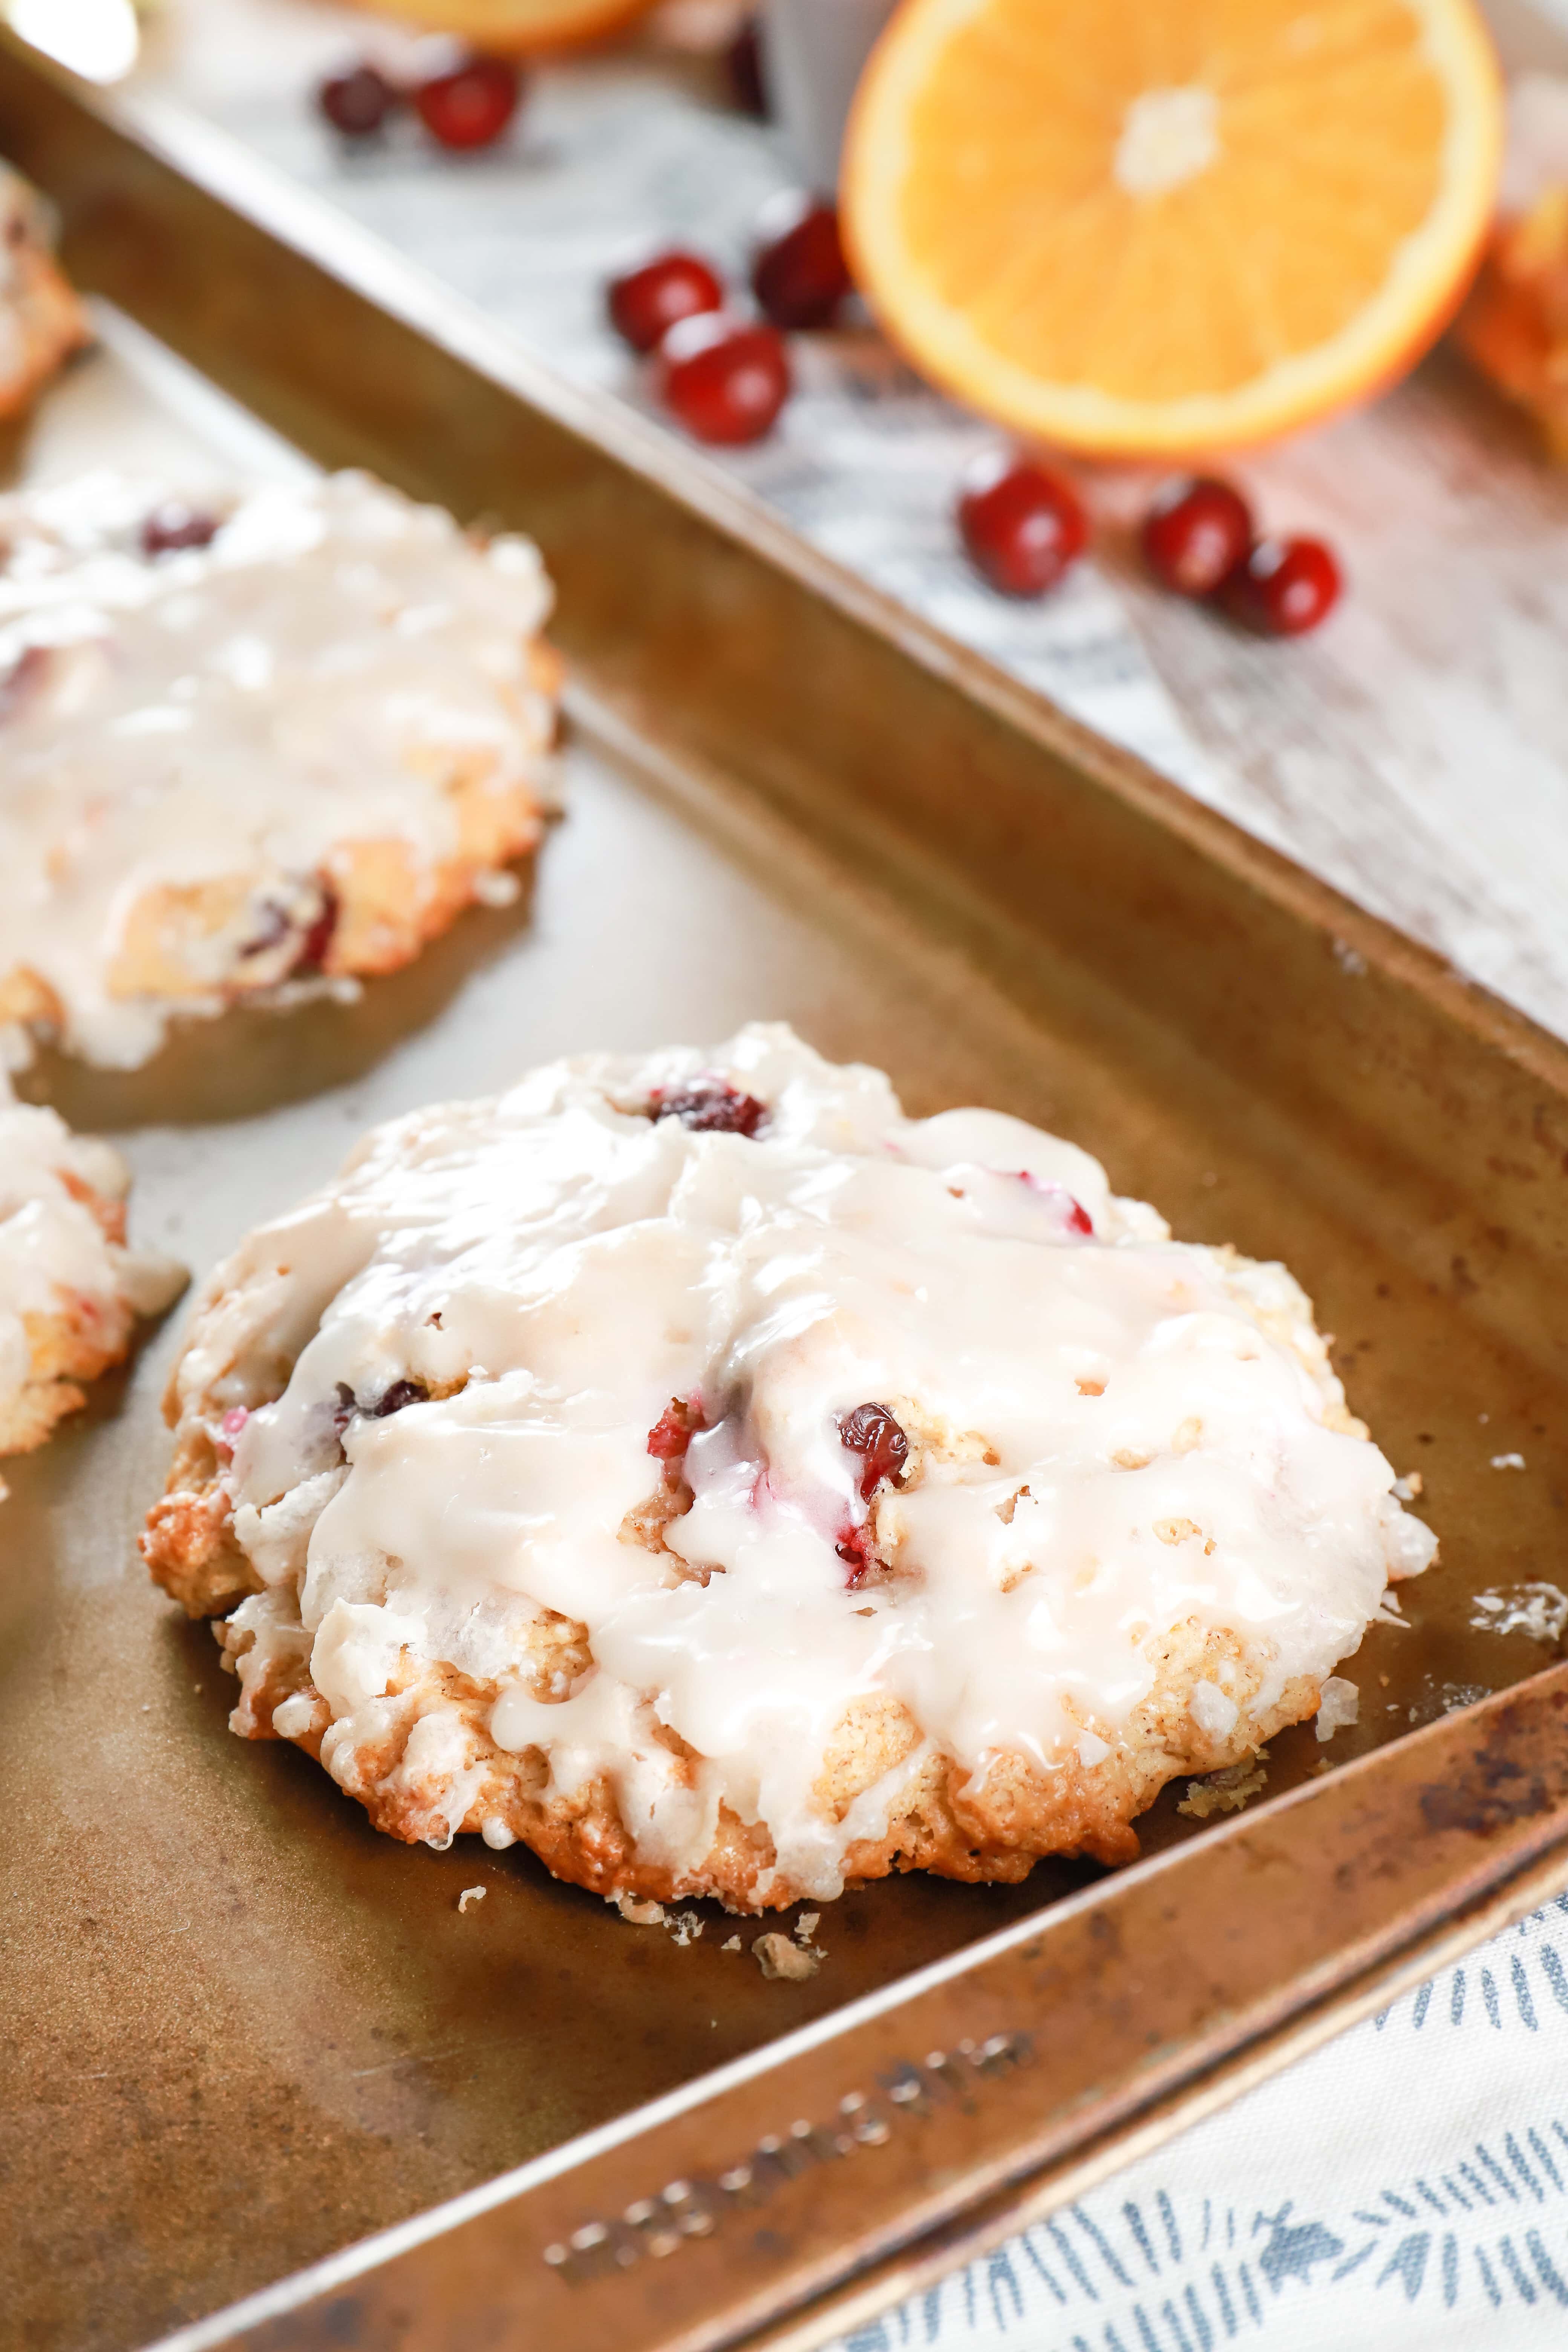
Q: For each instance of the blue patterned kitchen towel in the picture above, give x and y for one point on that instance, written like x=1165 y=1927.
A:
x=1406 y=2186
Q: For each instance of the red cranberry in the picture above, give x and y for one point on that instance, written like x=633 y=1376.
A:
x=229 y=1430
x=318 y=938
x=646 y=302
x=392 y=1400
x=1074 y=1214
x=675 y=1427
x=471 y=106
x=744 y=72
x=799 y=275
x=400 y=1393
x=174 y=525
x=357 y=103
x=1195 y=533
x=1285 y=587
x=872 y=1431
x=1021 y=525
x=855 y=1550
x=272 y=927
x=710 y=1107
x=725 y=379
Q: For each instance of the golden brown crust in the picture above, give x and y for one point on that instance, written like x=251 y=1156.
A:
x=943 y=1819
x=66 y=1348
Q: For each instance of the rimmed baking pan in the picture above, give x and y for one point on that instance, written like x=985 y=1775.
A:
x=248 y=2034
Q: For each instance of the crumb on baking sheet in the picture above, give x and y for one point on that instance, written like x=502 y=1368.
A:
x=1410 y=1488
x=1508 y=1461
x=470 y=1894
x=734 y=1945
x=1225 y=1792
x=805 y=1927
x=777 y=1957
x=640 y=1913
x=1339 y=1706
x=684 y=1926
x=1539 y=1609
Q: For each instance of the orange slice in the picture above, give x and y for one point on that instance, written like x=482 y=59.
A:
x=515 y=28
x=1154 y=228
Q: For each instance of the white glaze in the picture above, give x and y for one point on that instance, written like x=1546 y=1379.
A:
x=54 y=1254
x=304 y=681
x=579 y=1265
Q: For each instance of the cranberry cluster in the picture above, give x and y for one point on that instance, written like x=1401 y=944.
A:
x=724 y=375
x=466 y=105
x=1023 y=525
x=1199 y=540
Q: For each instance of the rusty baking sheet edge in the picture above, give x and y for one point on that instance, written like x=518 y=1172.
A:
x=1489 y=1787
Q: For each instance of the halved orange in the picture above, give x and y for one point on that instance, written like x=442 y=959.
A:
x=515 y=28
x=1154 y=228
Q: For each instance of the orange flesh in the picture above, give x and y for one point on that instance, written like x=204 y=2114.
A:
x=1329 y=152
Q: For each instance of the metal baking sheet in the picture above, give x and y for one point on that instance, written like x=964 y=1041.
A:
x=248 y=2033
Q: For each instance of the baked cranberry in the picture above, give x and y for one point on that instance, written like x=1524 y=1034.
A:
x=391 y=1400
x=1285 y=587
x=229 y=1430
x=357 y=103
x=470 y=106
x=646 y=302
x=318 y=938
x=174 y=525
x=1021 y=525
x=272 y=927
x=799 y=275
x=855 y=1550
x=872 y=1431
x=724 y=378
x=1195 y=533
x=744 y=72
x=400 y=1393
x=1074 y=1214
x=675 y=1427
x=710 y=1107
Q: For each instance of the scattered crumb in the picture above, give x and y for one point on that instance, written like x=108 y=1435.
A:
x=1483 y=1418
x=1410 y=1488
x=684 y=1926
x=470 y=1894
x=734 y=1945
x=641 y=1915
x=777 y=1957
x=1339 y=1706
x=1226 y=1792
x=1539 y=1609
x=1445 y=1698
x=1508 y=1461
x=1384 y=1680
x=147 y=1709
x=1323 y=1764
x=195 y=1686
x=805 y=1927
